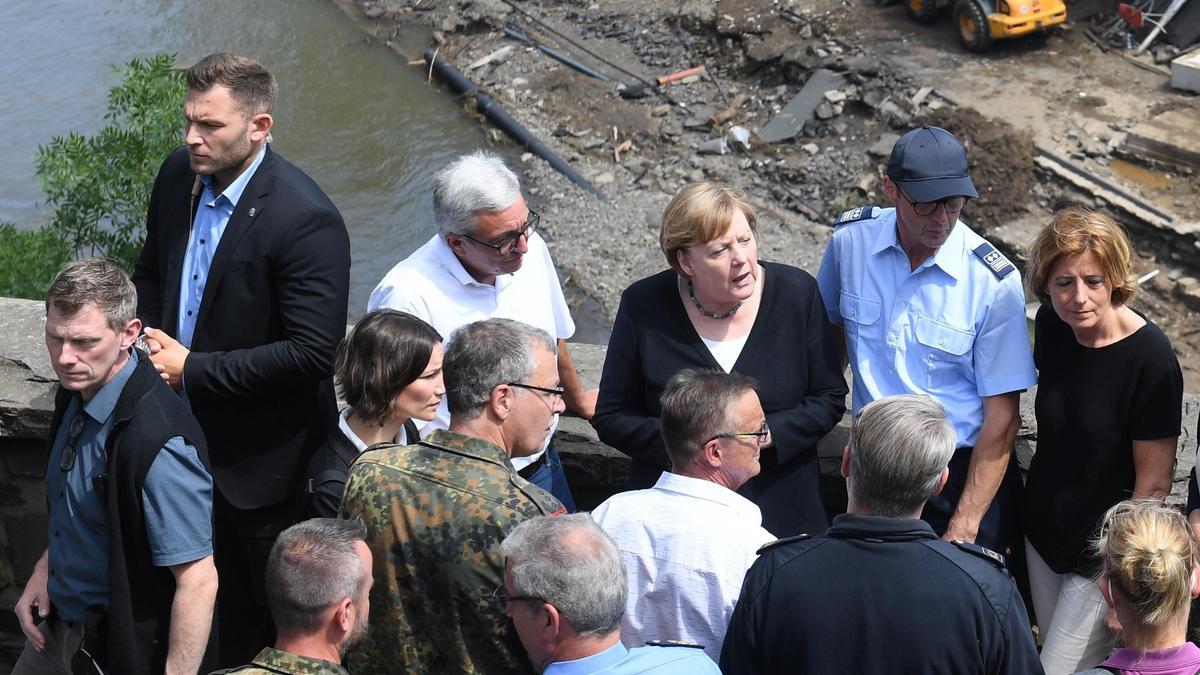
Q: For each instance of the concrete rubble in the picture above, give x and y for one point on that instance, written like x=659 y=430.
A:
x=823 y=89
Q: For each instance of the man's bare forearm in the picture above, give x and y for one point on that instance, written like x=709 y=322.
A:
x=191 y=615
x=577 y=399
x=989 y=461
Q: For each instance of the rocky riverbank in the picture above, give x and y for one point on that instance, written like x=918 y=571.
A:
x=639 y=143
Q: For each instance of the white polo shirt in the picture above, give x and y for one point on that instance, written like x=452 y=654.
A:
x=432 y=284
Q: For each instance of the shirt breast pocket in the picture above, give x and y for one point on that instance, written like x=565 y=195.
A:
x=860 y=316
x=945 y=351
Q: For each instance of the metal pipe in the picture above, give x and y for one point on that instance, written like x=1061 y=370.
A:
x=556 y=55
x=500 y=117
x=1172 y=10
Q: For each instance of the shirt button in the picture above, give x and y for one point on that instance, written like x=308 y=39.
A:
x=195 y=277
x=201 y=242
x=189 y=312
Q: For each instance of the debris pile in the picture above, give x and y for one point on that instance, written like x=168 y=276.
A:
x=799 y=105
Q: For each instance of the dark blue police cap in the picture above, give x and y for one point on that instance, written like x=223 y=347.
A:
x=930 y=164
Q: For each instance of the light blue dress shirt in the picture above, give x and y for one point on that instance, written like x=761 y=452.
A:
x=952 y=328
x=211 y=218
x=618 y=660
x=177 y=497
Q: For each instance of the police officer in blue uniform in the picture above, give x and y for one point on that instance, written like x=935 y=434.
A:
x=928 y=306
x=879 y=592
x=565 y=589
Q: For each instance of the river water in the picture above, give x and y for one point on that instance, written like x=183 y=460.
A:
x=351 y=113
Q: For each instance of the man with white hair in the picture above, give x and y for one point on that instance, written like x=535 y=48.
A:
x=688 y=541
x=487 y=261
x=879 y=592
x=564 y=589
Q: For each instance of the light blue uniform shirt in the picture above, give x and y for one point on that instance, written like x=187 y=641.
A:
x=211 y=218
x=952 y=328
x=177 y=496
x=617 y=660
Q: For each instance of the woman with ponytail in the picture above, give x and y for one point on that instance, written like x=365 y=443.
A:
x=1149 y=578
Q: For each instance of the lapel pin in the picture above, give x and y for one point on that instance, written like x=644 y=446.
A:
x=252 y=211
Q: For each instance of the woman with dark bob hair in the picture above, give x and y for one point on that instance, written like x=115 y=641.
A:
x=1149 y=578
x=1108 y=408
x=720 y=308
x=389 y=371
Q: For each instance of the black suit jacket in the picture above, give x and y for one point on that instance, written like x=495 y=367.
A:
x=259 y=376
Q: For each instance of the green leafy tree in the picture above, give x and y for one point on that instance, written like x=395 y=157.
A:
x=100 y=185
x=29 y=260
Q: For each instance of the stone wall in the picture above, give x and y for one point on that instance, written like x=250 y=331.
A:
x=594 y=470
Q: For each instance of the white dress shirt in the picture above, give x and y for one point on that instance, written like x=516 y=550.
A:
x=687 y=544
x=433 y=285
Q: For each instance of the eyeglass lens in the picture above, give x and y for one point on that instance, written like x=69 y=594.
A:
x=67 y=462
x=952 y=204
x=510 y=242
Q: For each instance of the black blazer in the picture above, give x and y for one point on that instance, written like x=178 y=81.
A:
x=790 y=351
x=259 y=376
x=325 y=479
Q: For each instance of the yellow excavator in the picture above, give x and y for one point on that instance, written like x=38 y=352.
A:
x=982 y=21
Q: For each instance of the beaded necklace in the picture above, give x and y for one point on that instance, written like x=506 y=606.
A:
x=705 y=312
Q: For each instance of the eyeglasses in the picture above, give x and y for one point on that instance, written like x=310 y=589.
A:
x=761 y=436
x=499 y=597
x=551 y=392
x=509 y=241
x=951 y=204
x=68 y=456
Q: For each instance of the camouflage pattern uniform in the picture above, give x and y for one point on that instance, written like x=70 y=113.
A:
x=436 y=512
x=271 y=661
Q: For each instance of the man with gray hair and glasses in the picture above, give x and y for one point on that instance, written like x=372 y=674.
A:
x=688 y=541
x=487 y=260
x=437 y=510
x=564 y=589
x=880 y=592
x=318 y=585
x=127 y=583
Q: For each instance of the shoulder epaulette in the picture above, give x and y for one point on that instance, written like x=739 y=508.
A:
x=987 y=554
x=674 y=643
x=860 y=213
x=995 y=260
x=779 y=542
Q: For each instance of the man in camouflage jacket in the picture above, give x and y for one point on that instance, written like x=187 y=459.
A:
x=436 y=511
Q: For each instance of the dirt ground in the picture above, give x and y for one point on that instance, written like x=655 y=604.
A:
x=1060 y=92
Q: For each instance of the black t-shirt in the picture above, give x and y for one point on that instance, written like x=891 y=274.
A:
x=1091 y=405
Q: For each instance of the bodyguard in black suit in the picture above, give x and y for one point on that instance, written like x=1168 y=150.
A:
x=244 y=278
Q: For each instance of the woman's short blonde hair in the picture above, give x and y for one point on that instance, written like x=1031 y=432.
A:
x=700 y=213
x=1074 y=231
x=1148 y=555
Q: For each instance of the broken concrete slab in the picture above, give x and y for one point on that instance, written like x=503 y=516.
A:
x=883 y=146
x=1104 y=189
x=1170 y=138
x=788 y=123
x=1185 y=72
